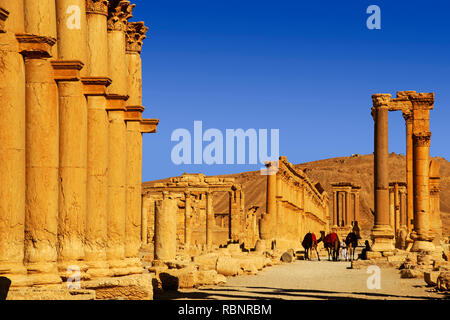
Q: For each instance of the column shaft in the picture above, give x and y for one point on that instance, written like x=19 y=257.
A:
x=97 y=139
x=12 y=147
x=382 y=232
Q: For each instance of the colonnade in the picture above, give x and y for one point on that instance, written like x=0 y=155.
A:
x=415 y=108
x=71 y=133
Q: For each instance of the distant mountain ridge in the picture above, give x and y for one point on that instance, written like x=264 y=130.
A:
x=357 y=169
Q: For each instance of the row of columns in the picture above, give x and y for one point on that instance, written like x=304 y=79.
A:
x=286 y=207
x=73 y=150
x=345 y=204
x=165 y=208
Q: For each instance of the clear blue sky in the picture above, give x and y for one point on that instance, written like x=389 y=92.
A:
x=307 y=68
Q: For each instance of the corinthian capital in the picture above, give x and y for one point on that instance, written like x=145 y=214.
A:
x=135 y=36
x=97 y=7
x=422 y=139
x=381 y=100
x=119 y=11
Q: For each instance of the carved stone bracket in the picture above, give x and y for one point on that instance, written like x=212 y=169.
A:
x=35 y=47
x=95 y=86
x=67 y=70
x=149 y=125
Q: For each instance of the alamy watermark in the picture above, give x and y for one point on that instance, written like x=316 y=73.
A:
x=374 y=20
x=191 y=150
x=374 y=280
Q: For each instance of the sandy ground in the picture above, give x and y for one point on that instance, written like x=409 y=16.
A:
x=313 y=280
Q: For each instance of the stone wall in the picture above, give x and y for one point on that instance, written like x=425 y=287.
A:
x=295 y=206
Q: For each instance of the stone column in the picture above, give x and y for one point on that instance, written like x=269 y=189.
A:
x=144 y=220
x=348 y=208
x=135 y=34
x=72 y=164
x=397 y=208
x=95 y=86
x=391 y=208
x=72 y=48
x=335 y=208
x=165 y=227
x=118 y=13
x=268 y=219
x=357 y=207
x=435 y=208
x=187 y=219
x=12 y=146
x=382 y=233
x=409 y=170
x=42 y=157
x=209 y=219
x=421 y=234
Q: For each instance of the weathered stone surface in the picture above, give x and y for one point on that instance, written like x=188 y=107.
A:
x=228 y=266
x=287 y=257
x=50 y=294
x=431 y=277
x=443 y=281
x=132 y=287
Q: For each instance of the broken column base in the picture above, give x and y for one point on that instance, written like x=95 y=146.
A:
x=383 y=239
x=422 y=245
x=131 y=287
x=49 y=293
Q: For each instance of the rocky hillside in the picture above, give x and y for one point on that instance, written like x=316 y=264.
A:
x=357 y=169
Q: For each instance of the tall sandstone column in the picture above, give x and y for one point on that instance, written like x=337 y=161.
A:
x=42 y=142
x=135 y=34
x=12 y=146
x=209 y=219
x=72 y=47
x=166 y=228
x=409 y=170
x=95 y=85
x=382 y=233
x=118 y=13
x=268 y=219
x=187 y=219
x=435 y=209
x=422 y=233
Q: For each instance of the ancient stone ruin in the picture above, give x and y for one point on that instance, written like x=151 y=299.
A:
x=345 y=207
x=71 y=151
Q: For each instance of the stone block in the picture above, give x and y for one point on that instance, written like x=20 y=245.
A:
x=208 y=277
x=228 y=266
x=221 y=279
x=431 y=277
x=373 y=255
x=133 y=287
x=206 y=260
x=443 y=281
x=287 y=257
x=411 y=273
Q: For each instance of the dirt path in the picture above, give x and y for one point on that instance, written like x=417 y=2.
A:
x=313 y=280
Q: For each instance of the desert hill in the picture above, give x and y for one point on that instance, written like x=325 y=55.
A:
x=356 y=169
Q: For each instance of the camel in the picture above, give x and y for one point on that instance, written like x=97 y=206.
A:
x=310 y=242
x=332 y=243
x=352 y=242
